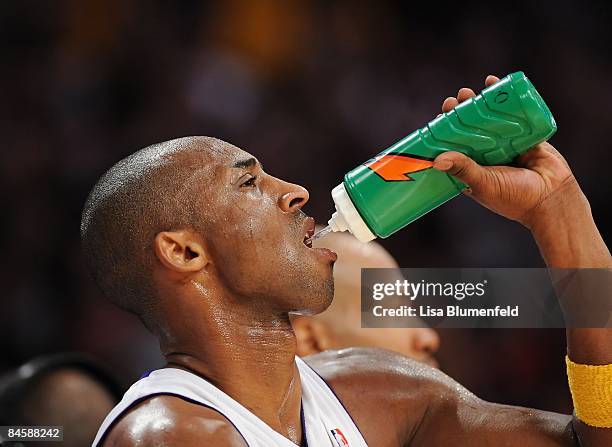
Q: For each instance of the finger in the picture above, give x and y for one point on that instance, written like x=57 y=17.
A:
x=465 y=93
x=449 y=104
x=461 y=167
x=550 y=148
x=533 y=155
x=491 y=80
x=538 y=154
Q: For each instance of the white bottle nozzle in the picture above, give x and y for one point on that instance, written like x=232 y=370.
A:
x=337 y=222
x=319 y=234
x=347 y=217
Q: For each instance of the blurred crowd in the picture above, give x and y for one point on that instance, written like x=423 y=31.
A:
x=310 y=88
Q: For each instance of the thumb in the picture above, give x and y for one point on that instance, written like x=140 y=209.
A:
x=460 y=166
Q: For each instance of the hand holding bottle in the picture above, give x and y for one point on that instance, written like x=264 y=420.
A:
x=494 y=128
x=518 y=192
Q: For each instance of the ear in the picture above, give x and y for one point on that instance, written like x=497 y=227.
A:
x=312 y=336
x=179 y=251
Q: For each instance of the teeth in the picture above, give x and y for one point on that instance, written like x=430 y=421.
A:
x=307 y=242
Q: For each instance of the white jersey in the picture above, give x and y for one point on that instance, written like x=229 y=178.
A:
x=325 y=421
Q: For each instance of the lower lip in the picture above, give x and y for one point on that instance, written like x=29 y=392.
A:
x=327 y=253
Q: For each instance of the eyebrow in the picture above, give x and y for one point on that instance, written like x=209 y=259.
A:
x=245 y=163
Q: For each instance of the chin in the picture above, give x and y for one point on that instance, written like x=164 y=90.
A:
x=318 y=297
x=325 y=297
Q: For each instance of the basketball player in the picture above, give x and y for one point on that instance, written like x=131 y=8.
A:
x=208 y=250
x=340 y=325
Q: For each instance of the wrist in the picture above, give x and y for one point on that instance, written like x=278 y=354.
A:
x=564 y=207
x=565 y=231
x=591 y=388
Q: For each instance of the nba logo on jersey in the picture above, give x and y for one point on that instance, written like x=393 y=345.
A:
x=339 y=437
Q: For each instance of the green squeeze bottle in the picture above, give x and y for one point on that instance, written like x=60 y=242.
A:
x=399 y=185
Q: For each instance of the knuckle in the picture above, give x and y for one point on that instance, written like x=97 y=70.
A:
x=461 y=170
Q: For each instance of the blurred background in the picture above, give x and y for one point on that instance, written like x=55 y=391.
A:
x=312 y=89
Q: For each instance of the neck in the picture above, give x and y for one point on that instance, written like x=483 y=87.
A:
x=230 y=348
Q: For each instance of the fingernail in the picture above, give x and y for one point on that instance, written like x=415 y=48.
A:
x=443 y=165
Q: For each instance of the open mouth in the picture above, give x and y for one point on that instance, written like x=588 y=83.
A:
x=323 y=253
x=309 y=231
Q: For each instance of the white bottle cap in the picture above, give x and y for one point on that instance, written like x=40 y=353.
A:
x=347 y=217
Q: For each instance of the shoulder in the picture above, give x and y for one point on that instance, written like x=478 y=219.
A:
x=379 y=367
x=169 y=420
x=384 y=390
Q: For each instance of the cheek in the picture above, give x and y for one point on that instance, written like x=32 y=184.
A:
x=252 y=247
x=239 y=225
x=255 y=221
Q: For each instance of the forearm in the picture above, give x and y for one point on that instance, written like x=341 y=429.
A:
x=567 y=236
x=566 y=233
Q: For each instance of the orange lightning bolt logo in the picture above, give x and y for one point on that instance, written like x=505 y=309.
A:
x=396 y=167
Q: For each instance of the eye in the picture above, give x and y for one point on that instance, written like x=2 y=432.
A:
x=249 y=183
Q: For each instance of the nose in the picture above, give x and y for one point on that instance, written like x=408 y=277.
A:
x=426 y=341
x=294 y=199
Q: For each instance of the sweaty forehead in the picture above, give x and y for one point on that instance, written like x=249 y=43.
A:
x=217 y=152
x=208 y=167
x=205 y=161
x=215 y=155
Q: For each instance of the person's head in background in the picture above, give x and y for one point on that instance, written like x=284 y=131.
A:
x=68 y=390
x=340 y=325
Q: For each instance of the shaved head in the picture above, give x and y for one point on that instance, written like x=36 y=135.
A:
x=138 y=197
